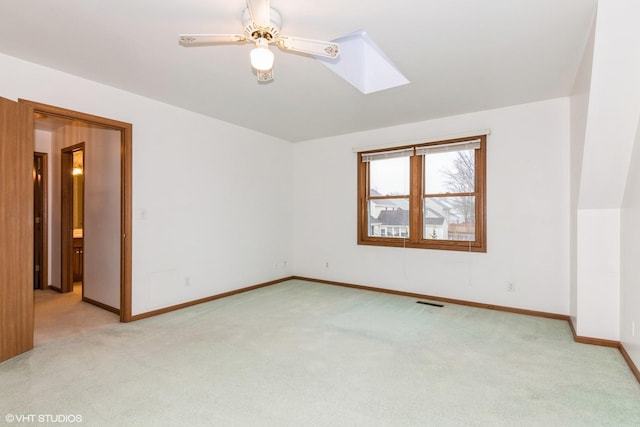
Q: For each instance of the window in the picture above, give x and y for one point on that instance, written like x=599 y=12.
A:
x=428 y=196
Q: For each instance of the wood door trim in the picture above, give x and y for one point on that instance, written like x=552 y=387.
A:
x=101 y=305
x=44 y=221
x=126 y=143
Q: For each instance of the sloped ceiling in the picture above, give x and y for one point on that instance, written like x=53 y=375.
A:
x=460 y=56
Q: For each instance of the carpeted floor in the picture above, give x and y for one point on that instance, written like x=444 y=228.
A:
x=59 y=315
x=307 y=354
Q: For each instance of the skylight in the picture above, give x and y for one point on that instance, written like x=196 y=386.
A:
x=363 y=64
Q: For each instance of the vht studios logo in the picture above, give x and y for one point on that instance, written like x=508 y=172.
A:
x=42 y=418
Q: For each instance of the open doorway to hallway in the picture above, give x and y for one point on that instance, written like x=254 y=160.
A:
x=18 y=134
x=86 y=254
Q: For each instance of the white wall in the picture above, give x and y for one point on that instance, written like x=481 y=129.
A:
x=579 y=102
x=212 y=208
x=630 y=254
x=614 y=105
x=598 y=273
x=527 y=213
x=211 y=201
x=630 y=212
x=102 y=228
x=604 y=162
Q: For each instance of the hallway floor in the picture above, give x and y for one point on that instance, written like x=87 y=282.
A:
x=62 y=315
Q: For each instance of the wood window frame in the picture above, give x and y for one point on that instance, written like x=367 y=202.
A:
x=415 y=239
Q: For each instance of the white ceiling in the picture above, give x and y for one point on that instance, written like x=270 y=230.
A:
x=460 y=56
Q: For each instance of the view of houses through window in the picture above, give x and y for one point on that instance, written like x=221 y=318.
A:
x=389 y=202
x=432 y=188
x=448 y=218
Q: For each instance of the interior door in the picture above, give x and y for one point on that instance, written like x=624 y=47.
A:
x=16 y=229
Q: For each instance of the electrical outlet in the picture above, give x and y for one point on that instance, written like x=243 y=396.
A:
x=284 y=263
x=187 y=281
x=511 y=287
x=326 y=264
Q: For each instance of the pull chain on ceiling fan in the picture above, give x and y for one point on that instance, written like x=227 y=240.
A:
x=262 y=27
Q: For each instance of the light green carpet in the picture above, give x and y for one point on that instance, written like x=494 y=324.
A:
x=306 y=354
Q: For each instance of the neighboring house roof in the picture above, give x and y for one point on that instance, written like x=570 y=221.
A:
x=396 y=211
x=383 y=202
x=394 y=217
x=433 y=213
x=389 y=203
x=446 y=207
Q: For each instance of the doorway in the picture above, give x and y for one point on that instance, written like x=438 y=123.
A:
x=17 y=138
x=72 y=229
x=72 y=217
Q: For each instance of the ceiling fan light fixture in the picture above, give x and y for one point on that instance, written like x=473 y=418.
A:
x=262 y=26
x=261 y=56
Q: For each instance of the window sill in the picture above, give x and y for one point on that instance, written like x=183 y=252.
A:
x=441 y=245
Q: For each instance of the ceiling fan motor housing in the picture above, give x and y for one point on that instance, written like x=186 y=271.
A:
x=271 y=33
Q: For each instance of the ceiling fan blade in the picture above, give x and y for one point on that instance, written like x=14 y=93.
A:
x=313 y=47
x=260 y=12
x=265 y=76
x=192 y=39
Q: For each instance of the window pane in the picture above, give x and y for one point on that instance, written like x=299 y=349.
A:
x=389 y=218
x=389 y=177
x=452 y=172
x=450 y=218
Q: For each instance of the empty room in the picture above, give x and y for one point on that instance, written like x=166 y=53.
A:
x=346 y=213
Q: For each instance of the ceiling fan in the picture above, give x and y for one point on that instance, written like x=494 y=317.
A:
x=262 y=27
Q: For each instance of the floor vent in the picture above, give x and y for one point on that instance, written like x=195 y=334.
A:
x=429 y=303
